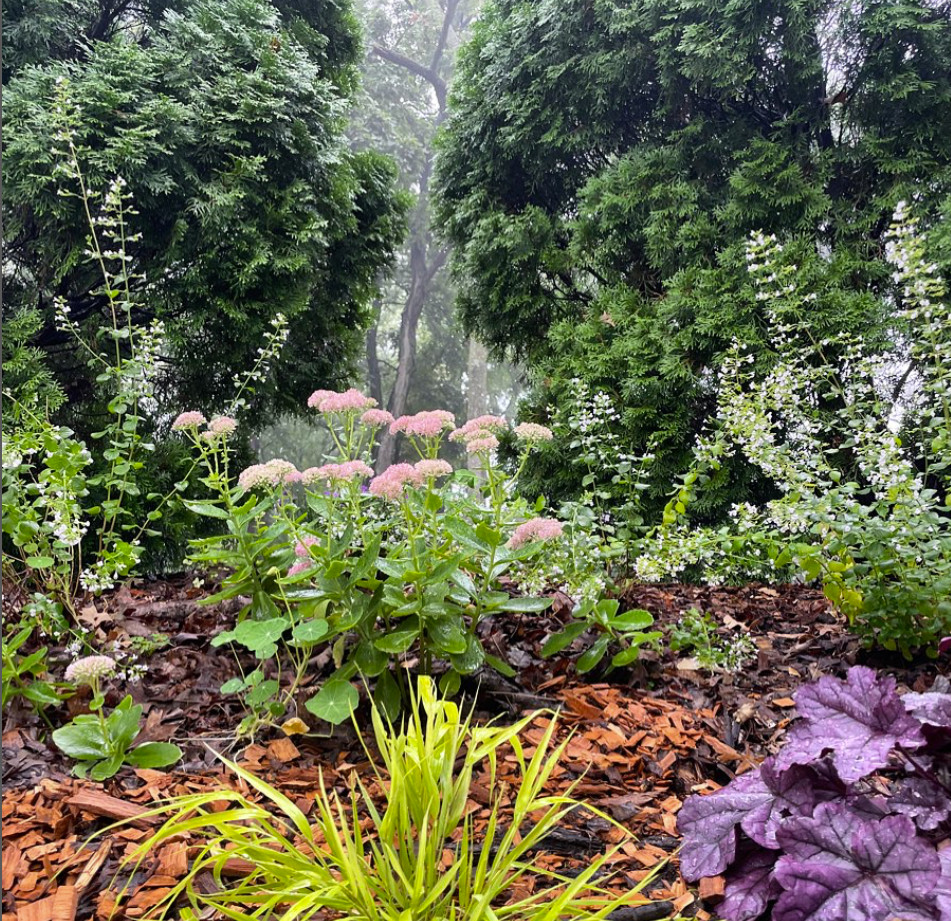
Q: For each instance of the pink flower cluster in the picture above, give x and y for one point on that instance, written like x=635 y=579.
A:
x=301 y=549
x=482 y=443
x=90 y=669
x=532 y=431
x=188 y=420
x=478 y=427
x=377 y=417
x=222 y=425
x=299 y=567
x=392 y=481
x=427 y=424
x=535 y=529
x=330 y=401
x=273 y=473
x=433 y=468
x=338 y=473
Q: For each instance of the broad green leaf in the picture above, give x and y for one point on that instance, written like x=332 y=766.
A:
x=154 y=755
x=206 y=509
x=559 y=641
x=310 y=631
x=632 y=620
x=82 y=738
x=263 y=692
x=260 y=634
x=592 y=656
x=526 y=605
x=500 y=665
x=334 y=702
x=400 y=639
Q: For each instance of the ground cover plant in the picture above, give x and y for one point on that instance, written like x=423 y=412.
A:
x=850 y=820
x=394 y=864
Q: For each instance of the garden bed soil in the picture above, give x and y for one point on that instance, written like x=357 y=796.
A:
x=642 y=739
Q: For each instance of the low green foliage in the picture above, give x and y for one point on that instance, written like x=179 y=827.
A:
x=25 y=676
x=695 y=633
x=103 y=744
x=625 y=632
x=397 y=868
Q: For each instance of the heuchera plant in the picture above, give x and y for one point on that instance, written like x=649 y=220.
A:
x=851 y=821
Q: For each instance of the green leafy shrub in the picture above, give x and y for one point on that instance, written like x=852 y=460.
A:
x=603 y=164
x=858 y=443
x=395 y=868
x=404 y=567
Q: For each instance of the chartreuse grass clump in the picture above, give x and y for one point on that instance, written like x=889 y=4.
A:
x=419 y=858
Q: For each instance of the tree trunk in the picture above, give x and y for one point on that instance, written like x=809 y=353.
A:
x=374 y=377
x=409 y=322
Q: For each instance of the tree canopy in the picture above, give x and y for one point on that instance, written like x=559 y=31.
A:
x=226 y=118
x=605 y=161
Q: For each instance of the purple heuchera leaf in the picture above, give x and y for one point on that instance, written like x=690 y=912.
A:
x=750 y=886
x=758 y=802
x=708 y=824
x=839 y=867
x=932 y=708
x=923 y=801
x=860 y=720
x=942 y=891
x=791 y=792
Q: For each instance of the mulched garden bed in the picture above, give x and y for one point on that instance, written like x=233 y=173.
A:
x=642 y=739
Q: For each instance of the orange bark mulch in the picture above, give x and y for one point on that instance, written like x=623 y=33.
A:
x=637 y=757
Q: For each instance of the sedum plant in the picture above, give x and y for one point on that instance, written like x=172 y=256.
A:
x=102 y=744
x=401 y=566
x=417 y=856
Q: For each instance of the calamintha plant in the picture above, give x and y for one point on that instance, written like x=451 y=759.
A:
x=418 y=854
x=856 y=440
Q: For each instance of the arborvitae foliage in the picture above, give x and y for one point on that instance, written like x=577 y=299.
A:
x=226 y=119
x=606 y=160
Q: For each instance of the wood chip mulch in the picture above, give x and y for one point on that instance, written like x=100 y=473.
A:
x=630 y=755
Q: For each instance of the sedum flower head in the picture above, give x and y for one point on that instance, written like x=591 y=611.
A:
x=392 y=481
x=273 y=473
x=427 y=424
x=433 y=468
x=90 y=669
x=482 y=444
x=479 y=428
x=299 y=567
x=222 y=425
x=188 y=420
x=531 y=431
x=535 y=529
x=377 y=417
x=329 y=401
